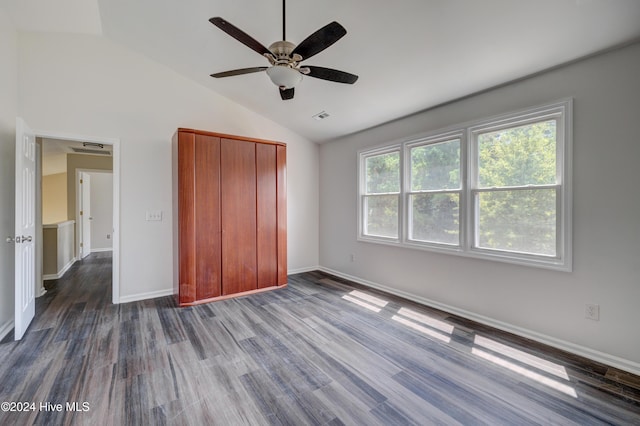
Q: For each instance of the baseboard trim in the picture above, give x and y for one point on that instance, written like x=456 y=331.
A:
x=99 y=250
x=302 y=270
x=163 y=293
x=601 y=357
x=6 y=329
x=61 y=272
x=145 y=296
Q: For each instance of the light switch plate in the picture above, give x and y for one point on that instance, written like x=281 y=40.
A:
x=154 y=215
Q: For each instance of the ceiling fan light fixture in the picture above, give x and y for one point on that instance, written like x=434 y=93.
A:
x=284 y=77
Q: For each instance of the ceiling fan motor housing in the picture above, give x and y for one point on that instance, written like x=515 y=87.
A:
x=281 y=54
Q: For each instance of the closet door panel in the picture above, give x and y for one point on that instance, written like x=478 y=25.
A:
x=186 y=225
x=207 y=217
x=238 y=186
x=267 y=215
x=281 y=179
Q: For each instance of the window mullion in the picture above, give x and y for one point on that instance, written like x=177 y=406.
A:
x=470 y=182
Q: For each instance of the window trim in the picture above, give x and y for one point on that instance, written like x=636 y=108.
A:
x=362 y=193
x=432 y=140
x=561 y=110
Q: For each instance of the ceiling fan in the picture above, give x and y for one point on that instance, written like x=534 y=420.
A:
x=285 y=57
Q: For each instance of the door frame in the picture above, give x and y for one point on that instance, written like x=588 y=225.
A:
x=79 y=224
x=115 y=144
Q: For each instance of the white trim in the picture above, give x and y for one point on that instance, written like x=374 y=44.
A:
x=58 y=225
x=115 y=154
x=6 y=329
x=302 y=270
x=169 y=292
x=98 y=250
x=601 y=357
x=115 y=268
x=363 y=155
x=61 y=272
x=145 y=296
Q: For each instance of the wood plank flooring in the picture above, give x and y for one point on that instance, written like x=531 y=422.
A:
x=314 y=353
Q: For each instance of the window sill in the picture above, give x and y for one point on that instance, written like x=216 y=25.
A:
x=550 y=263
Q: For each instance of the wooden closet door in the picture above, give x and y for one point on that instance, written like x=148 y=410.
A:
x=186 y=224
x=281 y=162
x=267 y=215
x=207 y=217
x=238 y=186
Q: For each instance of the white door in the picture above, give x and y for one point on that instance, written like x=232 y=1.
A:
x=85 y=214
x=25 y=230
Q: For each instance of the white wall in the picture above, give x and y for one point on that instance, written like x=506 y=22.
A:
x=544 y=304
x=101 y=211
x=87 y=85
x=8 y=112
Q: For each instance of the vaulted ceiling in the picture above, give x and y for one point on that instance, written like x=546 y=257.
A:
x=410 y=55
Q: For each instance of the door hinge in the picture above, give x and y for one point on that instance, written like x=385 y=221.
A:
x=81 y=181
x=81 y=245
x=81 y=212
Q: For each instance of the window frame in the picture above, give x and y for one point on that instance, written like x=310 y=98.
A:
x=561 y=111
x=363 y=194
x=408 y=223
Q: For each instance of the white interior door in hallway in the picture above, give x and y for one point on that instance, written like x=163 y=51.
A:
x=85 y=214
x=25 y=228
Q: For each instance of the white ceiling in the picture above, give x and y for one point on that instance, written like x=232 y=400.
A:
x=70 y=16
x=54 y=154
x=410 y=54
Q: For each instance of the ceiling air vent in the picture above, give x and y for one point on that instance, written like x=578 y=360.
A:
x=321 y=115
x=90 y=151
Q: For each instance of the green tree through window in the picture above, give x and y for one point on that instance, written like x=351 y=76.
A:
x=497 y=188
x=382 y=194
x=517 y=189
x=435 y=192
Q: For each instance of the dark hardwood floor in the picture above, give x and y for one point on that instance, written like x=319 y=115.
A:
x=316 y=352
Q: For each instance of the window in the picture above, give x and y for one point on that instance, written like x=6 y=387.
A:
x=435 y=191
x=496 y=189
x=381 y=198
x=516 y=188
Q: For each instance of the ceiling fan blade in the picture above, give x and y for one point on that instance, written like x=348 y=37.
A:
x=287 y=94
x=331 y=74
x=238 y=72
x=239 y=35
x=319 y=40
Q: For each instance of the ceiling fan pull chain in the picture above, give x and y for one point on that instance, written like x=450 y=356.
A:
x=284 y=21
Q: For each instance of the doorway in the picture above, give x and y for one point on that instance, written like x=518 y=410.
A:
x=84 y=157
x=94 y=211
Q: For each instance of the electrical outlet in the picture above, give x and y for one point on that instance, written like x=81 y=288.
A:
x=592 y=312
x=153 y=215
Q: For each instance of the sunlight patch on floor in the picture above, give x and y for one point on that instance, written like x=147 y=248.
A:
x=427 y=320
x=525 y=358
x=365 y=300
x=361 y=302
x=424 y=330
